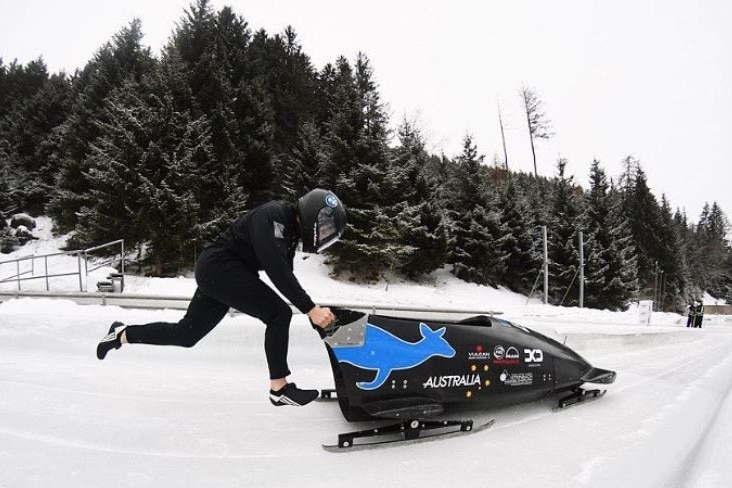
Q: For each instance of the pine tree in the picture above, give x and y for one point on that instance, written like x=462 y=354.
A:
x=145 y=173
x=641 y=209
x=478 y=236
x=563 y=241
x=672 y=291
x=20 y=82
x=7 y=241
x=221 y=193
x=213 y=48
x=195 y=41
x=478 y=254
x=522 y=243
x=461 y=193
x=468 y=184
x=300 y=172
x=414 y=208
x=34 y=105
x=5 y=193
x=713 y=249
x=623 y=260
x=122 y=60
x=28 y=131
x=688 y=252
x=288 y=78
x=610 y=263
x=356 y=149
x=537 y=193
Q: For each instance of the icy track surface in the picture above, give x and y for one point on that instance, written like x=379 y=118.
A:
x=173 y=417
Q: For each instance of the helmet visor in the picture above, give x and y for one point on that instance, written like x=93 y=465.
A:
x=327 y=229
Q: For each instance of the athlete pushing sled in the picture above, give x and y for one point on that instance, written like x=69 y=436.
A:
x=265 y=238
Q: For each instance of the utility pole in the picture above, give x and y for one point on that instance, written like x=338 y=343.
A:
x=655 y=287
x=546 y=266
x=581 y=272
x=661 y=290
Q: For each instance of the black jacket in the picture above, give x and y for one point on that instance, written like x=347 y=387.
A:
x=265 y=238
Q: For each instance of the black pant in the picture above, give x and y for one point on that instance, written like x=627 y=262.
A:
x=224 y=281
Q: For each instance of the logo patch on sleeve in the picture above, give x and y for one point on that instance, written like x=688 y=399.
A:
x=279 y=230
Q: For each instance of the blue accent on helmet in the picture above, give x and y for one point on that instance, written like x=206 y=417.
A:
x=331 y=201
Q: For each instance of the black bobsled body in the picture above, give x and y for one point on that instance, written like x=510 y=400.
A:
x=389 y=367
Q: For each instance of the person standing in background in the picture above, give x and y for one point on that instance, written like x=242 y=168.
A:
x=691 y=309
x=699 y=314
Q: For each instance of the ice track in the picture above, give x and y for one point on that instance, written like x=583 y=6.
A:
x=160 y=417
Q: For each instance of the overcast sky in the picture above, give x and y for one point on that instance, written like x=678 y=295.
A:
x=651 y=79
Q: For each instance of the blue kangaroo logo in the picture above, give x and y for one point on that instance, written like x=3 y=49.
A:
x=384 y=352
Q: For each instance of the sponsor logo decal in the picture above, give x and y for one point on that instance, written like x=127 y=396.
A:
x=383 y=352
x=505 y=357
x=533 y=357
x=472 y=382
x=517 y=379
x=479 y=354
x=453 y=381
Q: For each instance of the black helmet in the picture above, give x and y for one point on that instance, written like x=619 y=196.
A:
x=322 y=219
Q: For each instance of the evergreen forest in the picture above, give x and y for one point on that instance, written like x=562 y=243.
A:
x=165 y=150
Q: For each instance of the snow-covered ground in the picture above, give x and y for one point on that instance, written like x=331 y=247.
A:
x=157 y=416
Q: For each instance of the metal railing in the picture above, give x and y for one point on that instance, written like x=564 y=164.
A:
x=159 y=302
x=107 y=262
x=20 y=276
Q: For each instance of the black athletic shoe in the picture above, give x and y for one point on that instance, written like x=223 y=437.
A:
x=292 y=395
x=111 y=340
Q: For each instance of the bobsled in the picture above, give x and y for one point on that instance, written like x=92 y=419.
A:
x=408 y=369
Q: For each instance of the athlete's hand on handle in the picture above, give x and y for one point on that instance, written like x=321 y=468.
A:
x=321 y=316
